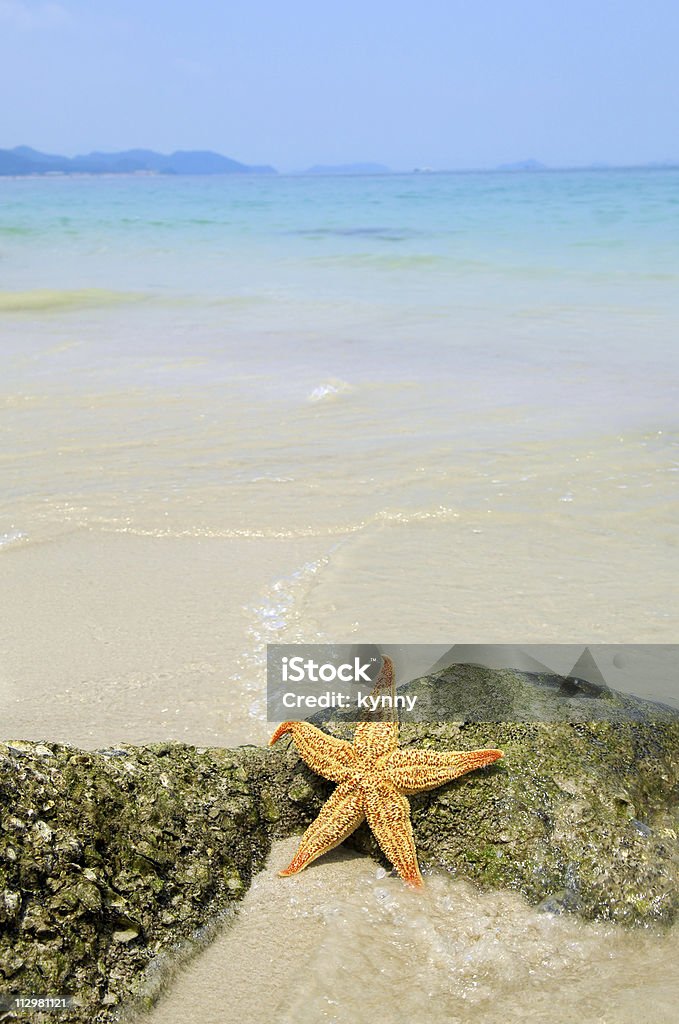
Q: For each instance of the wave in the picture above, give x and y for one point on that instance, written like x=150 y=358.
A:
x=396 y=516
x=276 y=617
x=329 y=389
x=46 y=300
x=383 y=234
x=279 y=614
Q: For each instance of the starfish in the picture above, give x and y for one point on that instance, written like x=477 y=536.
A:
x=374 y=779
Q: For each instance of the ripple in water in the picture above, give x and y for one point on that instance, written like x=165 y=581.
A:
x=12 y=537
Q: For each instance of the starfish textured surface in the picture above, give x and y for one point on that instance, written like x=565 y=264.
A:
x=374 y=779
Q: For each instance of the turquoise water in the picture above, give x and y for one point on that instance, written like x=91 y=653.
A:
x=344 y=238
x=459 y=382
x=537 y=269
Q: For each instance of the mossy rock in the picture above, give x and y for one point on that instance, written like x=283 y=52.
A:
x=577 y=817
x=110 y=860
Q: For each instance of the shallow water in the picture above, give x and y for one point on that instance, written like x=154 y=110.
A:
x=344 y=942
x=433 y=408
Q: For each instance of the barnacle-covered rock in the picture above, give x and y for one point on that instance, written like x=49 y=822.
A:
x=112 y=860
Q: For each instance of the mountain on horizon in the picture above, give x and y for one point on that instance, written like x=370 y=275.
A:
x=24 y=160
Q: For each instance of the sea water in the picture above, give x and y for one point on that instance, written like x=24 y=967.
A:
x=427 y=407
x=406 y=408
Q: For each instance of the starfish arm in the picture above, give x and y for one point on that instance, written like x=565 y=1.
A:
x=388 y=814
x=376 y=737
x=325 y=755
x=413 y=771
x=372 y=739
x=342 y=813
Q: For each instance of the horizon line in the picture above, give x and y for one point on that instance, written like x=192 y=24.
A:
x=358 y=168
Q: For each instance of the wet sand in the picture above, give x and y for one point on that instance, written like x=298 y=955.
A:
x=345 y=943
x=120 y=639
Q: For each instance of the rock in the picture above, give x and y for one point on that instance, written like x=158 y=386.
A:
x=474 y=693
x=300 y=791
x=553 y=816
x=109 y=861
x=269 y=809
x=589 y=808
x=10 y=905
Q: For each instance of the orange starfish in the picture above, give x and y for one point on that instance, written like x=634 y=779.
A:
x=373 y=780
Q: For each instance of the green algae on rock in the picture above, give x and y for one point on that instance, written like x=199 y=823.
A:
x=582 y=813
x=111 y=861
x=576 y=817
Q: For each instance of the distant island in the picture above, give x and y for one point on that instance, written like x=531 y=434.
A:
x=23 y=160
x=535 y=165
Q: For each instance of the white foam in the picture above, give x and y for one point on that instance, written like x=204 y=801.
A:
x=12 y=537
x=329 y=389
x=275 y=618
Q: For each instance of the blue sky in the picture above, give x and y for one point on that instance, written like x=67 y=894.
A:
x=442 y=83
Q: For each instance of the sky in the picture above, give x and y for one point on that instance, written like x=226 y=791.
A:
x=441 y=83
